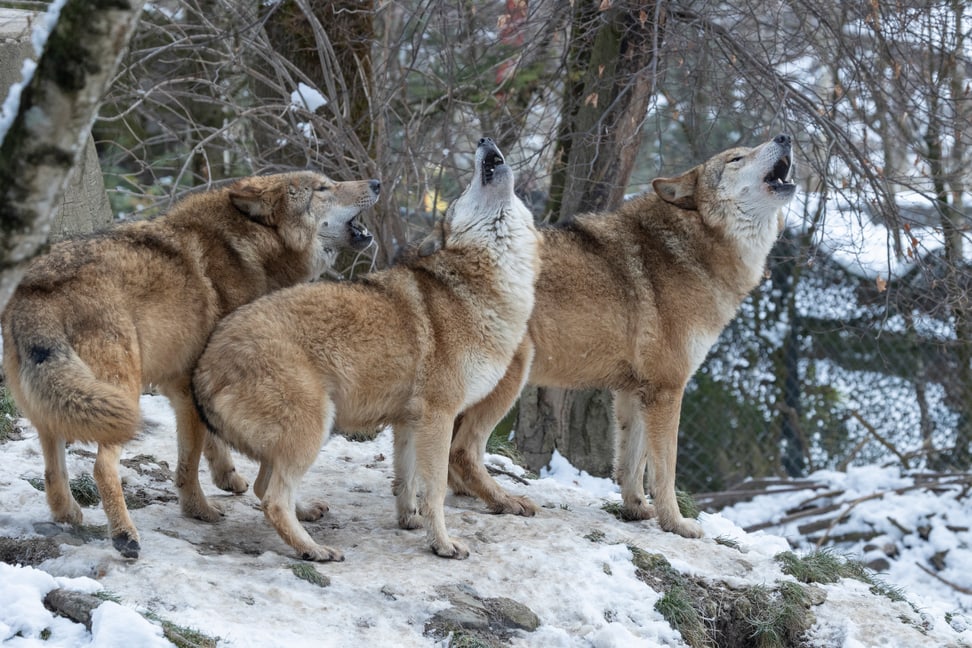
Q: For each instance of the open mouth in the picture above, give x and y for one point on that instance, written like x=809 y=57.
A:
x=491 y=160
x=360 y=236
x=778 y=177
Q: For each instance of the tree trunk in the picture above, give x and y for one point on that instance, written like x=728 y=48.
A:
x=610 y=80
x=955 y=226
x=54 y=118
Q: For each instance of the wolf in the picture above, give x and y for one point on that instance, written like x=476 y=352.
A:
x=99 y=318
x=409 y=347
x=632 y=301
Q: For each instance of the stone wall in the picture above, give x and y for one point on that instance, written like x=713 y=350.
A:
x=85 y=206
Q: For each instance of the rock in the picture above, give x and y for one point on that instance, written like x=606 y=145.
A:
x=460 y=617
x=512 y=614
x=480 y=621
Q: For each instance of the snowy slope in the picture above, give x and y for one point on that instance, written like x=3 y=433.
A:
x=233 y=579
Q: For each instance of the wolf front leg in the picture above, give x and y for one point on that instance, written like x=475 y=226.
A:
x=467 y=472
x=432 y=435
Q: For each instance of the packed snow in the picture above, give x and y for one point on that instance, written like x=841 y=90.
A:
x=233 y=579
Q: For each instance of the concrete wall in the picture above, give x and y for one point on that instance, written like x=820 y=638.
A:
x=85 y=206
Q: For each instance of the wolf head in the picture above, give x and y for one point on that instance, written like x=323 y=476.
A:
x=739 y=191
x=489 y=197
x=307 y=204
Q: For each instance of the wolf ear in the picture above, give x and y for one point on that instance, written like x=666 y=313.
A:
x=680 y=190
x=254 y=201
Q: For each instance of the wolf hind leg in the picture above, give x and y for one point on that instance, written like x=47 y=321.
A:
x=221 y=466
x=64 y=508
x=404 y=486
x=467 y=472
x=280 y=509
x=631 y=455
x=122 y=530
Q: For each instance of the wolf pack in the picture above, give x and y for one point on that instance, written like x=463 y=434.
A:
x=215 y=304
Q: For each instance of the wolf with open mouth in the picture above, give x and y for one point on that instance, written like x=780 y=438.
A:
x=409 y=347
x=100 y=317
x=632 y=301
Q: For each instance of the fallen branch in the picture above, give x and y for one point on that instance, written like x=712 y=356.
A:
x=957 y=588
x=499 y=471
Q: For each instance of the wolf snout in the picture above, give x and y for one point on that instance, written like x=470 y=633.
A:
x=361 y=238
x=779 y=176
x=490 y=157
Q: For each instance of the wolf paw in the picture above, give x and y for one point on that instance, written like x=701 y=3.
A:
x=515 y=506
x=451 y=549
x=320 y=553
x=684 y=527
x=410 y=520
x=231 y=482
x=127 y=544
x=72 y=516
x=312 y=511
x=638 y=511
x=203 y=510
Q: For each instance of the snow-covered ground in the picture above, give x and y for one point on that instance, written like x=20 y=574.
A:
x=233 y=580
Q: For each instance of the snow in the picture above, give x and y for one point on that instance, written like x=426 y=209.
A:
x=232 y=579
x=863 y=247
x=307 y=97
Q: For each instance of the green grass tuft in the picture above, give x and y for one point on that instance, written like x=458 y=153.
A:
x=676 y=606
x=596 y=535
x=727 y=542
x=499 y=441
x=8 y=414
x=823 y=566
x=85 y=490
x=686 y=504
x=181 y=636
x=309 y=573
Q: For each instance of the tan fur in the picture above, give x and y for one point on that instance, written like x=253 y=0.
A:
x=632 y=301
x=99 y=318
x=408 y=347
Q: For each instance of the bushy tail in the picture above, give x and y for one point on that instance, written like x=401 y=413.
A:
x=59 y=390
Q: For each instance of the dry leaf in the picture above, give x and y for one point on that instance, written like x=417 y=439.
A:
x=882 y=284
x=591 y=100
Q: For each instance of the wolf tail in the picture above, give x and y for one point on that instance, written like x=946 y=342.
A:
x=58 y=389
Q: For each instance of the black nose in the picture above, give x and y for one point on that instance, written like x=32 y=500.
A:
x=486 y=140
x=375 y=186
x=783 y=139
